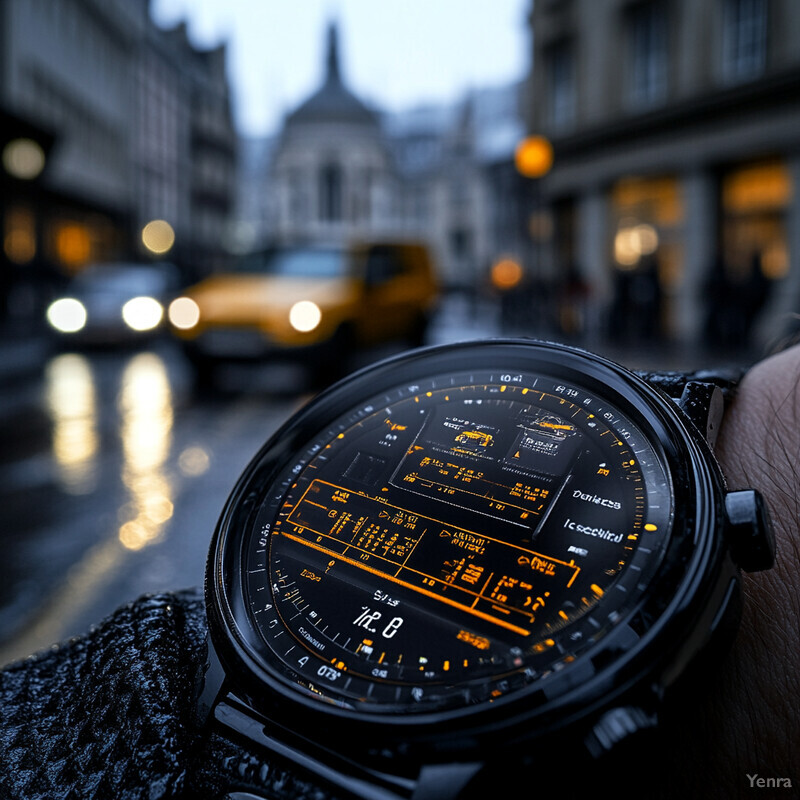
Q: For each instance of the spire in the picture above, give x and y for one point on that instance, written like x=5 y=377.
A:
x=332 y=59
x=333 y=101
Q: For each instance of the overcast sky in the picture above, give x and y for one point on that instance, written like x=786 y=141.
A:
x=395 y=53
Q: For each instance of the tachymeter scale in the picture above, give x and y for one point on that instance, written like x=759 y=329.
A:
x=451 y=541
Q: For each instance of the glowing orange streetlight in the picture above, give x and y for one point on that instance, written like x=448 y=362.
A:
x=506 y=273
x=533 y=157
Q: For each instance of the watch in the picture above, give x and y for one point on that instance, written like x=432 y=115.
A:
x=468 y=561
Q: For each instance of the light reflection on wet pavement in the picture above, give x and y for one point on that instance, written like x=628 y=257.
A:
x=125 y=483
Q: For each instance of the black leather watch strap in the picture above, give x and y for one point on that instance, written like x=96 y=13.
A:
x=673 y=383
x=224 y=768
x=701 y=395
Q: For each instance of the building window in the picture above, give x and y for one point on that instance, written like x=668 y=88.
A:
x=561 y=85
x=744 y=39
x=755 y=201
x=298 y=208
x=19 y=243
x=648 y=216
x=649 y=55
x=330 y=193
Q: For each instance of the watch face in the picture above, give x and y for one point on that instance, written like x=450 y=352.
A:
x=452 y=529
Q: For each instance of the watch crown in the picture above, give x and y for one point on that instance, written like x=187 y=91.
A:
x=750 y=530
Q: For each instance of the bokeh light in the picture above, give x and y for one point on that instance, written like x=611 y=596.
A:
x=67 y=315
x=304 y=316
x=184 y=313
x=633 y=241
x=194 y=461
x=142 y=313
x=72 y=405
x=23 y=159
x=506 y=273
x=19 y=243
x=146 y=411
x=534 y=156
x=158 y=236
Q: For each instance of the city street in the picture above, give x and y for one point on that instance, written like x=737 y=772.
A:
x=212 y=212
x=113 y=473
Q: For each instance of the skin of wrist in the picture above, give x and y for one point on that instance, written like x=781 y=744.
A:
x=747 y=723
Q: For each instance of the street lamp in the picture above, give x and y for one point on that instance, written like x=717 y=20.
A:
x=533 y=156
x=533 y=159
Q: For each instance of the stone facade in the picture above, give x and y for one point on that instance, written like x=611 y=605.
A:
x=674 y=185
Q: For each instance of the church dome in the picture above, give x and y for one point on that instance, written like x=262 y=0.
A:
x=333 y=101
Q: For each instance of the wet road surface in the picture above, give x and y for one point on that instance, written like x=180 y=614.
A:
x=111 y=484
x=113 y=472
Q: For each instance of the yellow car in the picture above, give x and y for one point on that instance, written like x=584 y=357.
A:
x=315 y=303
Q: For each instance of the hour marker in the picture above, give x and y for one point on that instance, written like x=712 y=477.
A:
x=650 y=527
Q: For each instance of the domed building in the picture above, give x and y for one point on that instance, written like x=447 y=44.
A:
x=332 y=174
x=440 y=173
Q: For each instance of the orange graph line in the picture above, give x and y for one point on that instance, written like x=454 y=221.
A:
x=419 y=589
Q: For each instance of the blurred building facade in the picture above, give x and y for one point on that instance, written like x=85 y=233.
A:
x=331 y=173
x=674 y=187
x=136 y=124
x=341 y=169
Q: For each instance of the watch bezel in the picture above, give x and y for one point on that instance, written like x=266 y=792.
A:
x=674 y=636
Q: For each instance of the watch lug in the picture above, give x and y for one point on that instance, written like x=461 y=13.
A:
x=211 y=679
x=355 y=780
x=704 y=404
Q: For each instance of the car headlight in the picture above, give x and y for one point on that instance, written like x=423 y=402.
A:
x=67 y=315
x=304 y=316
x=184 y=313
x=142 y=313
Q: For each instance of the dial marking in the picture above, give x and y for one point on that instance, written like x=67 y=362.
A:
x=436 y=558
x=418 y=589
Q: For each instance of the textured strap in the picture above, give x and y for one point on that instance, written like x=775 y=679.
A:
x=674 y=382
x=110 y=716
x=701 y=395
x=106 y=715
x=222 y=767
